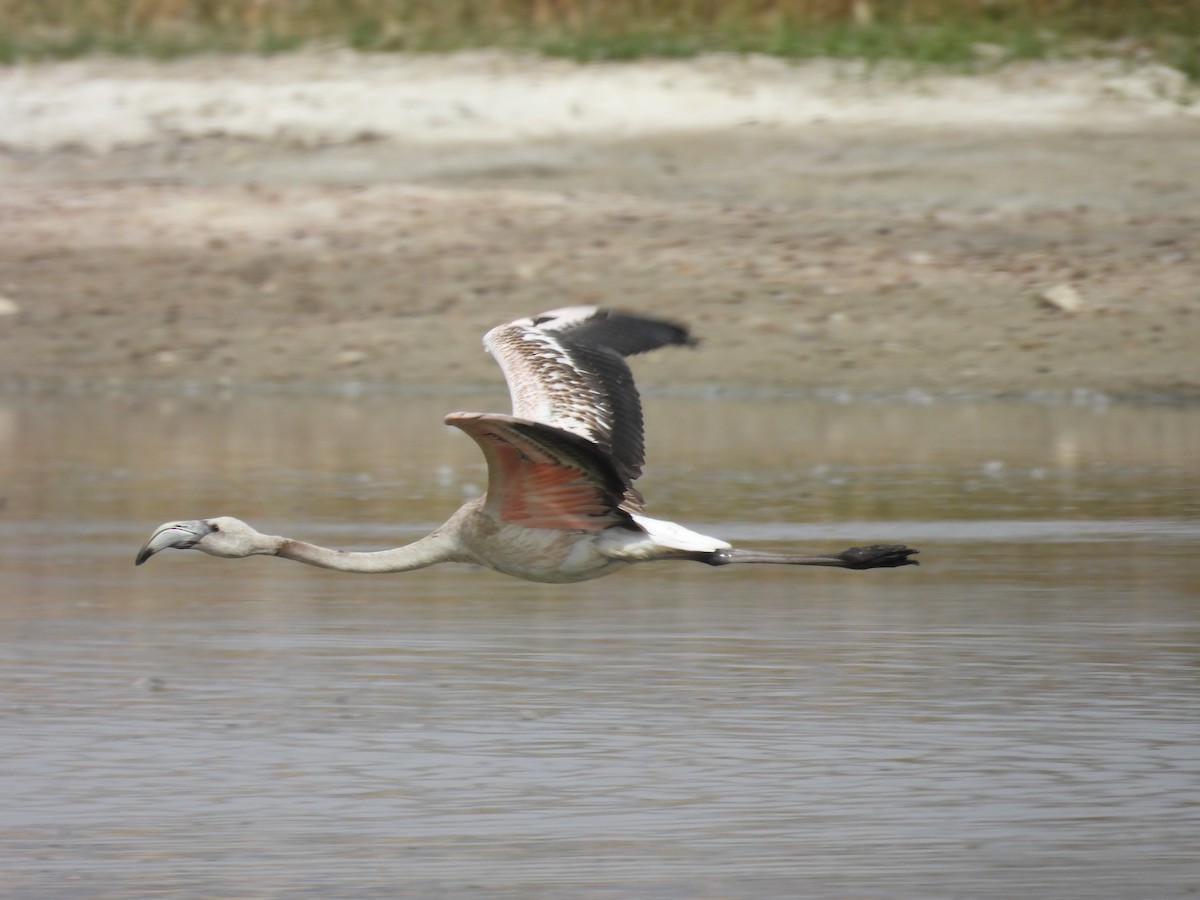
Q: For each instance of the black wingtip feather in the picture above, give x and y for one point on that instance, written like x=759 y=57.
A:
x=629 y=333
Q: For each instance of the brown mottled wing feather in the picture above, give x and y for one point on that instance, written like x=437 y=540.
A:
x=544 y=477
x=566 y=368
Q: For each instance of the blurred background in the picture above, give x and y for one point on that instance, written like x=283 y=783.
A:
x=942 y=259
x=958 y=32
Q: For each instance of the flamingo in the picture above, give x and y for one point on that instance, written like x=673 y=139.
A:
x=560 y=504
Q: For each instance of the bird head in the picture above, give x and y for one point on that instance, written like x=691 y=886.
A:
x=221 y=536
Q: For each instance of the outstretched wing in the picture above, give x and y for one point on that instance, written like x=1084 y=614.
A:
x=566 y=369
x=544 y=477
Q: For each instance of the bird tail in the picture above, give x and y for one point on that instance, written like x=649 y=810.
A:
x=675 y=536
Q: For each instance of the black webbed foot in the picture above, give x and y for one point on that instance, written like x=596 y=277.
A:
x=878 y=556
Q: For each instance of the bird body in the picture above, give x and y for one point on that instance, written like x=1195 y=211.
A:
x=560 y=505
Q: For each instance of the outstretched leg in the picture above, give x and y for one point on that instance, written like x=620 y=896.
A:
x=877 y=556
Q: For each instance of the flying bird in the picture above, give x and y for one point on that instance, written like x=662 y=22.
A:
x=560 y=504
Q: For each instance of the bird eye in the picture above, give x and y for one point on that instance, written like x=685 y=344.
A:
x=215 y=527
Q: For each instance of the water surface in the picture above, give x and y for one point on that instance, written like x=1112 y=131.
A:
x=1018 y=717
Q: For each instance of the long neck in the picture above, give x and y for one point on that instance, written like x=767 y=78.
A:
x=430 y=550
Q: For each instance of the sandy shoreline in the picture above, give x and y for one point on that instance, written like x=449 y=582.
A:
x=334 y=219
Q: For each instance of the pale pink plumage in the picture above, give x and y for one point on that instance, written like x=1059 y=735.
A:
x=561 y=504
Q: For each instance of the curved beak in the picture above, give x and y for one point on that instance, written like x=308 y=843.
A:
x=180 y=535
